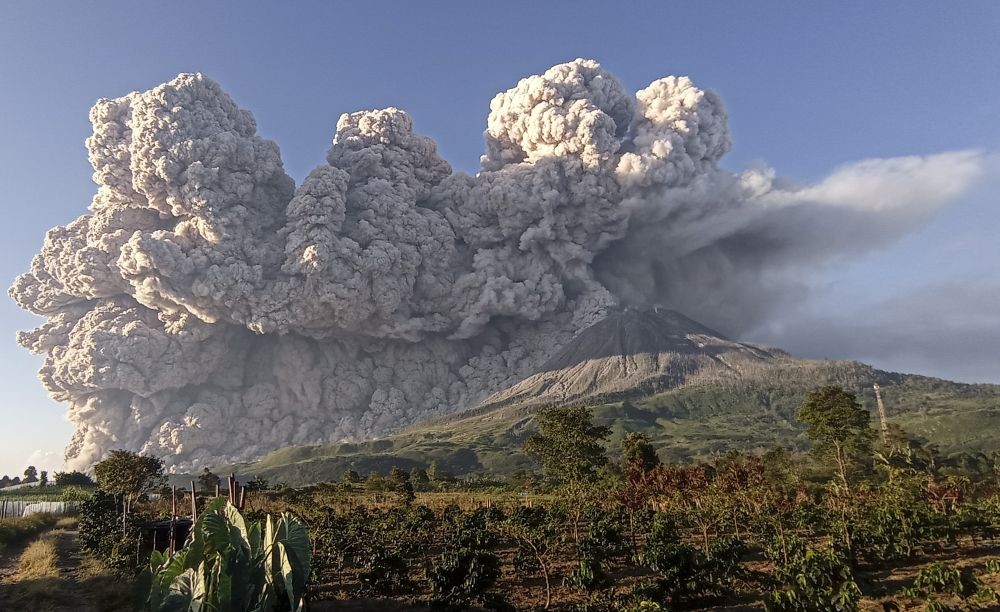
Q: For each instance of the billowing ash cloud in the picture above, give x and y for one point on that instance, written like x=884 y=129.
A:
x=206 y=309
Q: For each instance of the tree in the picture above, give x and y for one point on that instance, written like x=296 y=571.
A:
x=350 y=476
x=375 y=482
x=536 y=531
x=839 y=429
x=128 y=475
x=421 y=481
x=43 y=479
x=79 y=479
x=568 y=445
x=399 y=483
x=638 y=453
x=208 y=481
x=437 y=475
x=30 y=474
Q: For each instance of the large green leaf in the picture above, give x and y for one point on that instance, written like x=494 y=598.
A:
x=287 y=573
x=235 y=518
x=228 y=565
x=182 y=593
x=299 y=551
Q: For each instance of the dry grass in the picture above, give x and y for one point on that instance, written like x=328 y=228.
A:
x=39 y=559
x=52 y=576
x=67 y=522
x=16 y=530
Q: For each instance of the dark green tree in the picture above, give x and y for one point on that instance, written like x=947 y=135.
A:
x=79 y=479
x=256 y=484
x=43 y=479
x=437 y=475
x=375 y=482
x=350 y=476
x=421 y=481
x=208 y=481
x=638 y=453
x=128 y=475
x=399 y=483
x=30 y=474
x=568 y=445
x=839 y=428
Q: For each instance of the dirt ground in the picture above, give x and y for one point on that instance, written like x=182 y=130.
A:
x=882 y=585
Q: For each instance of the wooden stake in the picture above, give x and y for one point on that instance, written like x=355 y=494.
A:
x=172 y=544
x=194 y=503
x=883 y=419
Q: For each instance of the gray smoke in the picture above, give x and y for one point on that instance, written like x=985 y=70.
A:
x=207 y=310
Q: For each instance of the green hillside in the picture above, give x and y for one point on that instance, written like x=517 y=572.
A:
x=746 y=406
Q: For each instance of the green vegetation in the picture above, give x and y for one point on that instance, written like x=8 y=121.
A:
x=128 y=475
x=49 y=493
x=568 y=444
x=839 y=429
x=596 y=519
x=229 y=564
x=17 y=530
x=77 y=479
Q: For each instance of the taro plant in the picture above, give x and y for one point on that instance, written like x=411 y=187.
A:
x=229 y=565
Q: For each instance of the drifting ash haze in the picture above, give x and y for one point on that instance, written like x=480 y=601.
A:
x=207 y=309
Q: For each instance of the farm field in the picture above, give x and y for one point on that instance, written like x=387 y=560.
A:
x=50 y=572
x=866 y=519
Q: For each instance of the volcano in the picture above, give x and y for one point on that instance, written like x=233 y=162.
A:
x=630 y=352
x=693 y=392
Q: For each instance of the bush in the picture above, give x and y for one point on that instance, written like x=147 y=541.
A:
x=676 y=563
x=461 y=577
x=686 y=572
x=76 y=494
x=384 y=572
x=590 y=576
x=817 y=579
x=102 y=534
x=940 y=579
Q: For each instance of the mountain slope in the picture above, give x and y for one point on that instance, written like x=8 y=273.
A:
x=630 y=352
x=691 y=390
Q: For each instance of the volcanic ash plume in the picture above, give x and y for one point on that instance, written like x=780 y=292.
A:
x=208 y=310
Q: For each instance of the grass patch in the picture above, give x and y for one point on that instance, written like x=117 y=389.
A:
x=39 y=585
x=16 y=530
x=67 y=522
x=39 y=559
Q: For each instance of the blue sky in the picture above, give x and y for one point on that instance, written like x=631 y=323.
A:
x=807 y=87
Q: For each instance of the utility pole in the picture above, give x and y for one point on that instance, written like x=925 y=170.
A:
x=881 y=414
